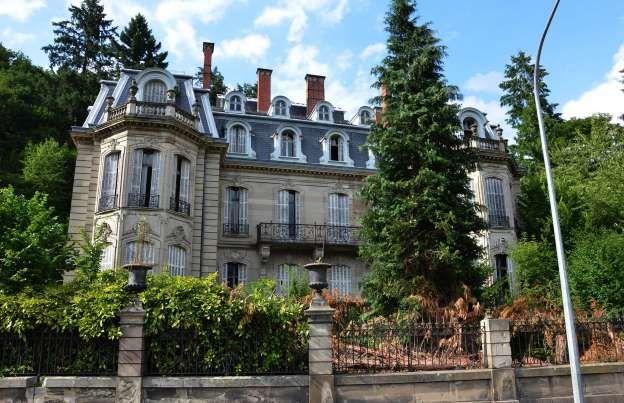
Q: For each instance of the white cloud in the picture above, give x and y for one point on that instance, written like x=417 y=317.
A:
x=251 y=47
x=495 y=113
x=374 y=49
x=12 y=39
x=487 y=82
x=350 y=96
x=605 y=97
x=20 y=10
x=343 y=61
x=296 y=13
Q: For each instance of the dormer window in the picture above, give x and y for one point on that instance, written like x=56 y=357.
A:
x=236 y=104
x=288 y=144
x=336 y=145
x=155 y=91
x=239 y=139
x=323 y=113
x=280 y=108
x=365 y=117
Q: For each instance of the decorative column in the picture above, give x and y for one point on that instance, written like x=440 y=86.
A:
x=497 y=357
x=321 y=385
x=170 y=108
x=109 y=106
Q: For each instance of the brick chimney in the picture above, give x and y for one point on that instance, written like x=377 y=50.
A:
x=208 y=49
x=264 y=89
x=315 y=91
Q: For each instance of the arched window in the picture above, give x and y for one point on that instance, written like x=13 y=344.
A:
x=106 y=262
x=495 y=202
x=155 y=91
x=340 y=279
x=365 y=117
x=336 y=148
x=236 y=104
x=280 y=108
x=234 y=274
x=140 y=252
x=177 y=260
x=468 y=123
x=286 y=274
x=237 y=137
x=181 y=186
x=323 y=113
x=287 y=146
x=235 y=211
x=108 y=196
x=288 y=213
x=145 y=179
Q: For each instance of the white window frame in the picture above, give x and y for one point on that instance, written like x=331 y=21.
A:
x=338 y=209
x=249 y=152
x=185 y=178
x=228 y=98
x=242 y=272
x=243 y=195
x=317 y=109
x=357 y=118
x=155 y=91
x=110 y=175
x=176 y=260
x=326 y=147
x=137 y=177
x=273 y=111
x=340 y=277
x=299 y=156
x=153 y=73
x=108 y=257
x=148 y=252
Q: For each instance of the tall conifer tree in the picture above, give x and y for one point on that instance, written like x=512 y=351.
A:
x=138 y=48
x=420 y=225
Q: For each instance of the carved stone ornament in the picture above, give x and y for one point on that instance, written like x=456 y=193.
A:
x=178 y=235
x=111 y=144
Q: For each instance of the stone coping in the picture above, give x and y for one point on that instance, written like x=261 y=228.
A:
x=413 y=377
x=564 y=370
x=12 y=382
x=269 y=381
x=79 y=382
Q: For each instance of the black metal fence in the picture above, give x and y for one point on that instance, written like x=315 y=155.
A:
x=308 y=234
x=179 y=206
x=544 y=343
x=45 y=352
x=188 y=353
x=386 y=347
x=235 y=229
x=143 y=200
x=107 y=202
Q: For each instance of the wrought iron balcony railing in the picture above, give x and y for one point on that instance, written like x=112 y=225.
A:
x=107 y=202
x=498 y=221
x=235 y=229
x=308 y=234
x=143 y=200
x=179 y=206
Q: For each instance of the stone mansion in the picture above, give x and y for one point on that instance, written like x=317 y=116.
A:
x=248 y=188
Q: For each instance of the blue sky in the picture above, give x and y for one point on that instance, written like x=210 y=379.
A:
x=342 y=39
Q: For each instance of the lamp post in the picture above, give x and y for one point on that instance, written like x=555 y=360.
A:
x=573 y=354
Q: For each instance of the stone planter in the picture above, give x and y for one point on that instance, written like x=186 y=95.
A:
x=137 y=273
x=318 y=276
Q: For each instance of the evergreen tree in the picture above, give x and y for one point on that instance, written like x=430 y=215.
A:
x=217 y=84
x=138 y=48
x=420 y=225
x=85 y=42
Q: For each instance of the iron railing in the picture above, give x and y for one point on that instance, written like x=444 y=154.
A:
x=544 y=343
x=143 y=200
x=188 y=353
x=46 y=352
x=498 y=221
x=308 y=233
x=391 y=347
x=107 y=202
x=235 y=229
x=179 y=206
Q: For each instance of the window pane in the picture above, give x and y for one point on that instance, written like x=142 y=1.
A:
x=495 y=200
x=177 y=260
x=107 y=257
x=340 y=279
x=155 y=91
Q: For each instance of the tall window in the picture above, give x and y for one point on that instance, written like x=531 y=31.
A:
x=145 y=178
x=235 y=211
x=108 y=197
x=234 y=274
x=336 y=148
x=323 y=113
x=280 y=108
x=181 y=185
x=502 y=275
x=286 y=273
x=339 y=213
x=139 y=252
x=237 y=137
x=155 y=91
x=340 y=279
x=287 y=146
x=365 y=117
x=288 y=212
x=495 y=201
x=107 y=257
x=177 y=260
x=236 y=104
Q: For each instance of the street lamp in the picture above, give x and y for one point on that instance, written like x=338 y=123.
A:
x=568 y=312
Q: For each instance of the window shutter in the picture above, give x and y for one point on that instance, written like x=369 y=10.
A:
x=242 y=273
x=343 y=208
x=185 y=177
x=341 y=145
x=109 y=181
x=298 y=208
x=177 y=260
x=137 y=165
x=155 y=173
x=242 y=211
x=282 y=207
x=226 y=206
x=107 y=257
x=333 y=201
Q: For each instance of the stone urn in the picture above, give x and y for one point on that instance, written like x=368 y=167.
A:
x=137 y=276
x=318 y=277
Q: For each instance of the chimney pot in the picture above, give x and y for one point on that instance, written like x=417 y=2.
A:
x=208 y=48
x=264 y=89
x=315 y=91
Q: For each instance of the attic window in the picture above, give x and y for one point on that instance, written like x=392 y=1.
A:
x=235 y=103
x=280 y=108
x=155 y=91
x=323 y=113
x=365 y=117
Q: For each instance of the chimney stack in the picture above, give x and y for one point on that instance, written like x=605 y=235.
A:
x=315 y=91
x=208 y=49
x=264 y=89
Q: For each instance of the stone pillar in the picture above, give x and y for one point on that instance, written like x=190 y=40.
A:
x=496 y=343
x=320 y=352
x=131 y=354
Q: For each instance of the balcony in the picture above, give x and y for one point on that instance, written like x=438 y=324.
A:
x=490 y=145
x=179 y=206
x=498 y=221
x=151 y=110
x=107 y=203
x=235 y=229
x=142 y=200
x=308 y=234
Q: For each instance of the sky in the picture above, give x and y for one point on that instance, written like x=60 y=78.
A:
x=343 y=39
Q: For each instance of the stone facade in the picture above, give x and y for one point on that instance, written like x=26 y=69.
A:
x=153 y=150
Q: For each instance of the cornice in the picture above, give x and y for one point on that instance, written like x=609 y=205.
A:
x=305 y=170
